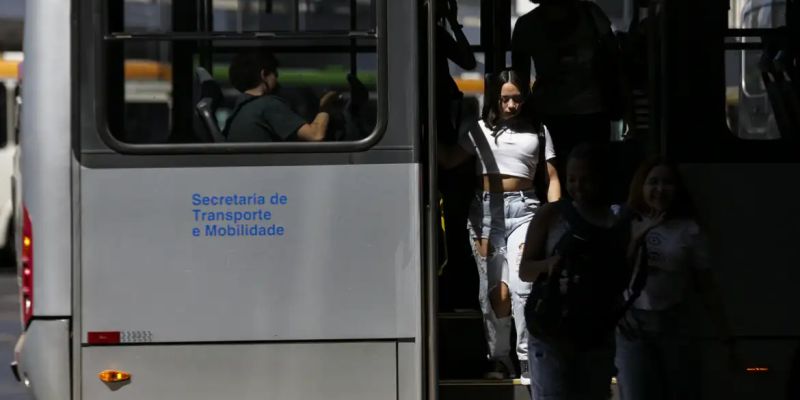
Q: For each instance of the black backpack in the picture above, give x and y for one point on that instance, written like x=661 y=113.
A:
x=594 y=263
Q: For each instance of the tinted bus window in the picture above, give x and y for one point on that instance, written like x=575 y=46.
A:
x=748 y=107
x=168 y=85
x=257 y=15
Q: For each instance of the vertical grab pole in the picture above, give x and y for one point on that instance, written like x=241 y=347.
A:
x=432 y=368
x=353 y=43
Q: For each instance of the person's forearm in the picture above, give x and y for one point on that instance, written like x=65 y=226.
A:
x=529 y=270
x=554 y=184
x=320 y=124
x=465 y=57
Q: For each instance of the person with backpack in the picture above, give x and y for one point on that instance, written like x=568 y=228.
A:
x=656 y=359
x=579 y=86
x=575 y=255
x=512 y=155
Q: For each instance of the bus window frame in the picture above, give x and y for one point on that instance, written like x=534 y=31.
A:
x=104 y=37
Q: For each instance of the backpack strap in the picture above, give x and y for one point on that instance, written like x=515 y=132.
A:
x=541 y=178
x=577 y=225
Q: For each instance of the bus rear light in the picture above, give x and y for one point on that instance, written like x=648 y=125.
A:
x=113 y=376
x=26 y=274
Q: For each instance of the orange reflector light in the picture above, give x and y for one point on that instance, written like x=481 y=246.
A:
x=756 y=370
x=111 y=376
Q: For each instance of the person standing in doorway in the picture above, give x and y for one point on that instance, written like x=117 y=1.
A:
x=577 y=91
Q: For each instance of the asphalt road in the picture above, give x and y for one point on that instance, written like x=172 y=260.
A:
x=10 y=389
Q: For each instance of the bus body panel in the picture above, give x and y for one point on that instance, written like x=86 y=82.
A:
x=347 y=265
x=346 y=371
x=750 y=217
x=43 y=355
x=46 y=154
x=409 y=378
x=749 y=214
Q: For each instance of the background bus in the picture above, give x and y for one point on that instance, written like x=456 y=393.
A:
x=9 y=113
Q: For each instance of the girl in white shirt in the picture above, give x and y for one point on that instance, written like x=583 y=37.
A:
x=509 y=151
x=654 y=354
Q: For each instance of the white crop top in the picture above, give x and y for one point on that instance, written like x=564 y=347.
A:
x=506 y=152
x=674 y=248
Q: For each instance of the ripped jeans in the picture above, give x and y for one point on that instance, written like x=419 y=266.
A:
x=503 y=219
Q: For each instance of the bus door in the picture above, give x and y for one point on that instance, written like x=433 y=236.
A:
x=462 y=349
x=217 y=269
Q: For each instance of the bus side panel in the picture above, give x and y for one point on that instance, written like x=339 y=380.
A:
x=409 y=378
x=46 y=152
x=346 y=371
x=750 y=214
x=346 y=265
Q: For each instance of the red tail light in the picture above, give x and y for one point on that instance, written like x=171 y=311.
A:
x=26 y=256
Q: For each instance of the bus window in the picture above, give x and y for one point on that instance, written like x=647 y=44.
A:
x=748 y=108
x=756 y=14
x=257 y=15
x=170 y=84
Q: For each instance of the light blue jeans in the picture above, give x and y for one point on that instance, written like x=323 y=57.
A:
x=660 y=362
x=503 y=219
x=562 y=371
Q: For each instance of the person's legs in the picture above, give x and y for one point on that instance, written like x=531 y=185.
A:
x=549 y=368
x=593 y=371
x=497 y=330
x=519 y=295
x=634 y=368
x=679 y=358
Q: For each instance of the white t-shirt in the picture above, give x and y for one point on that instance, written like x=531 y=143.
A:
x=674 y=248
x=505 y=152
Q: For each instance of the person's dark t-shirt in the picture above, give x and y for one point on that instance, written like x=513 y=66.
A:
x=266 y=118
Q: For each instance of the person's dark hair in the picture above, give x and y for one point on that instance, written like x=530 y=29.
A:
x=597 y=156
x=681 y=205
x=245 y=70
x=491 y=103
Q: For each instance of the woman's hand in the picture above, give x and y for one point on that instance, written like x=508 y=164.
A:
x=640 y=227
x=529 y=270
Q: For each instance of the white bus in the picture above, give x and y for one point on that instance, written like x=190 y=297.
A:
x=9 y=82
x=159 y=261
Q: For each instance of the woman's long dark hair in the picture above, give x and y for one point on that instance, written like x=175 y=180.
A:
x=491 y=103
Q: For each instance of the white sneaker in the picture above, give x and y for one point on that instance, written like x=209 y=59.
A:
x=524 y=374
x=498 y=370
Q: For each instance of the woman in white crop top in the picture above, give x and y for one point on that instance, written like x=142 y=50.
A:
x=654 y=354
x=509 y=151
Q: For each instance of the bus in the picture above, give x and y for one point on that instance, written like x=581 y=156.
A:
x=9 y=74
x=158 y=260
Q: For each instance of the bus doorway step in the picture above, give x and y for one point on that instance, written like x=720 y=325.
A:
x=482 y=389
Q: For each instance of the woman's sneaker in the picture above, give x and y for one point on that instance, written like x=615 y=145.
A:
x=524 y=373
x=499 y=369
